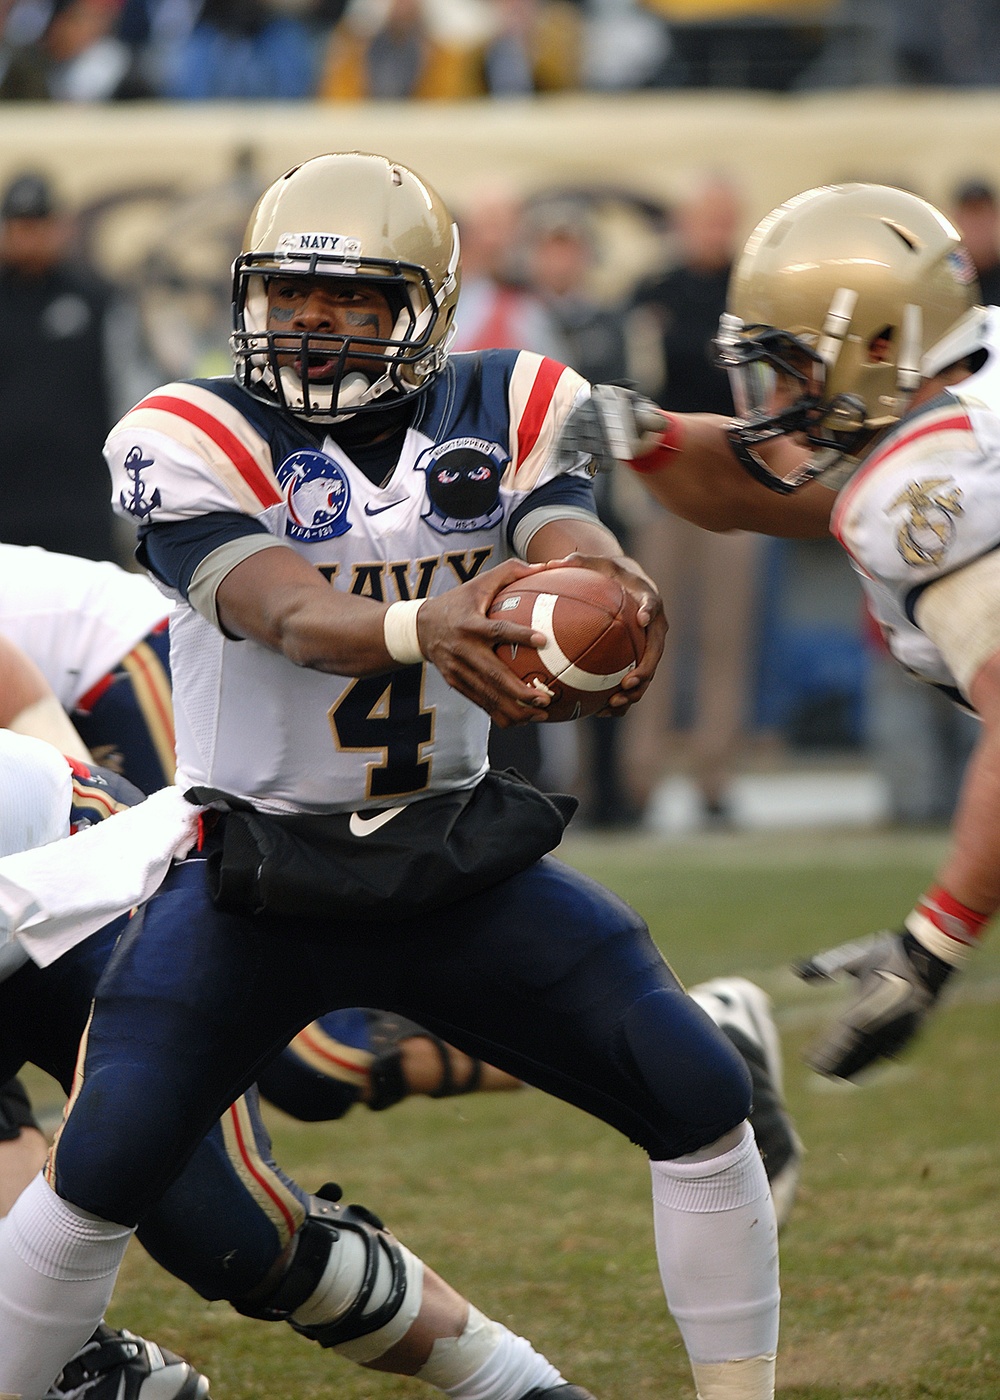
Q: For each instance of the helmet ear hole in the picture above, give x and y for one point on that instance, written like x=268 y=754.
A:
x=880 y=345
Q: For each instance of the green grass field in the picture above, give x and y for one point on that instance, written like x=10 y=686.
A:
x=542 y=1216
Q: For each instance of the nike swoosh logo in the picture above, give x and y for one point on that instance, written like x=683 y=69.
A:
x=364 y=826
x=377 y=510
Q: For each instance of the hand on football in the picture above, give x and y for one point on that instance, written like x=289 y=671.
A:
x=898 y=983
x=458 y=638
x=634 y=579
x=613 y=425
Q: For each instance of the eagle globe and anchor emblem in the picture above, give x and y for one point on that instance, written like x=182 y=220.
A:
x=927 y=530
x=317 y=494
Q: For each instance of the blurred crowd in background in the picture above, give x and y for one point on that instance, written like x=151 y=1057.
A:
x=768 y=648
x=332 y=50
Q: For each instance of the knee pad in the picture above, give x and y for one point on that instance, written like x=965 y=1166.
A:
x=689 y=1067
x=348 y=1283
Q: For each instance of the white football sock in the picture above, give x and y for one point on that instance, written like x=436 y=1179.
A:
x=487 y=1362
x=57 y=1271
x=717 y=1246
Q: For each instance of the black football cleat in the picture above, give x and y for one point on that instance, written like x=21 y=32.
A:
x=121 y=1366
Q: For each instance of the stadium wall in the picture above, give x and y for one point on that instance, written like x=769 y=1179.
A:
x=652 y=142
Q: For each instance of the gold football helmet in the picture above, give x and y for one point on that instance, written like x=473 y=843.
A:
x=842 y=301
x=358 y=216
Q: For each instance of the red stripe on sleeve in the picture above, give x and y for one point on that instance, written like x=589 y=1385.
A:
x=530 y=424
x=959 y=422
x=226 y=441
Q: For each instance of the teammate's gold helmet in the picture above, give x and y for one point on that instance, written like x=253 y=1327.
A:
x=843 y=299
x=358 y=216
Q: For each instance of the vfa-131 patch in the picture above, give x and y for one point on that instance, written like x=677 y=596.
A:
x=463 y=484
x=317 y=494
x=927 y=530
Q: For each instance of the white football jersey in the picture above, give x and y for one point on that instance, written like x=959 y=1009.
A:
x=75 y=618
x=926 y=503
x=292 y=739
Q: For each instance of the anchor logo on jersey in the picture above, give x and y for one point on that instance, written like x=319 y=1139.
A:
x=138 y=504
x=463 y=484
x=317 y=494
x=928 y=528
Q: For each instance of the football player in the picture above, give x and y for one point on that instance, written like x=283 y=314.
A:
x=867 y=381
x=334 y=680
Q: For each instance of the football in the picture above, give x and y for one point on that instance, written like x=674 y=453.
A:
x=593 y=637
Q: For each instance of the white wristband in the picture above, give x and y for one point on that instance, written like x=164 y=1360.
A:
x=399 y=631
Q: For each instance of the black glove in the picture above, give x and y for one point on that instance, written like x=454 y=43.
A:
x=613 y=425
x=898 y=983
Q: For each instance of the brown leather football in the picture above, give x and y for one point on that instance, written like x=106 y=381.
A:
x=593 y=641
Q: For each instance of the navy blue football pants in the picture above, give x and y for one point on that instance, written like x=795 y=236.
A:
x=547 y=975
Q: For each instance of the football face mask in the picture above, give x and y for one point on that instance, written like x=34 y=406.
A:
x=777 y=382
x=334 y=369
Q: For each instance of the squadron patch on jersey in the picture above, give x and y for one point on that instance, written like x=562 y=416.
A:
x=317 y=494
x=463 y=484
x=927 y=529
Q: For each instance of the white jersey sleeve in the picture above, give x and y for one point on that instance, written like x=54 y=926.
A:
x=541 y=395
x=183 y=452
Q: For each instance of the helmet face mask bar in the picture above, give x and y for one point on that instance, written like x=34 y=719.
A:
x=361 y=222
x=764 y=365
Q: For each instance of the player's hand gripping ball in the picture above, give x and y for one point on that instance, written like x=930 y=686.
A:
x=593 y=637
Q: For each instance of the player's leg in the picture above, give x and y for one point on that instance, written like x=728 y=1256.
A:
x=170 y=1032
x=557 y=981
x=235 y=1227
x=165 y=1034
x=372 y=1057
x=43 y=1012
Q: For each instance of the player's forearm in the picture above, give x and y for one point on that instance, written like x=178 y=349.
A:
x=699 y=478
x=558 y=538
x=22 y=683
x=278 y=600
x=971 y=871
x=47 y=720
